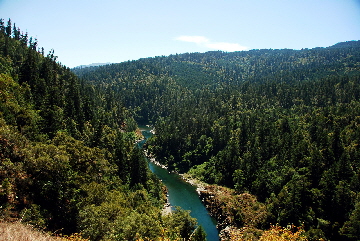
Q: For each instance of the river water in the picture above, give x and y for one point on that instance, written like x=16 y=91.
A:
x=184 y=195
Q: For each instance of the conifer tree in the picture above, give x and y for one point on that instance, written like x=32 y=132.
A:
x=8 y=28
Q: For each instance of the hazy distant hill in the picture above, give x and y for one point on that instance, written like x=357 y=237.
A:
x=141 y=83
x=91 y=65
x=212 y=68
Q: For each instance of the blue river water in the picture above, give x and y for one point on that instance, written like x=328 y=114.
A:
x=184 y=195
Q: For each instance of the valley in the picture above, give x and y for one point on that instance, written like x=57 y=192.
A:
x=274 y=134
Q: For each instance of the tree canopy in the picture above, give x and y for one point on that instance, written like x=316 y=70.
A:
x=279 y=128
x=68 y=159
x=282 y=125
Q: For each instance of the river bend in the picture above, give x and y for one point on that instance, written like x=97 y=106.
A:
x=184 y=195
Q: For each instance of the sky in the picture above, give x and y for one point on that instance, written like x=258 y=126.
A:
x=83 y=32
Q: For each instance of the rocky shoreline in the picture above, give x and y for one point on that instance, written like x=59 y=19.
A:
x=207 y=195
x=206 y=198
x=237 y=215
x=167 y=209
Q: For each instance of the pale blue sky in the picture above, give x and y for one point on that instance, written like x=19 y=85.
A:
x=100 y=31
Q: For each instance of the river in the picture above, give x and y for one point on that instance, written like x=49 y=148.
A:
x=184 y=195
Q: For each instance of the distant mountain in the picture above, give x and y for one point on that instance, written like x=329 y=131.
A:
x=91 y=65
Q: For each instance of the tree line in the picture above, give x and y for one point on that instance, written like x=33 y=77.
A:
x=68 y=159
x=279 y=124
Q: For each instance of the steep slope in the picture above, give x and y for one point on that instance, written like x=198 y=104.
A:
x=68 y=162
x=279 y=124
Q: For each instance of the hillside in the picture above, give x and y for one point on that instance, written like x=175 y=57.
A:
x=178 y=77
x=275 y=134
x=282 y=125
x=68 y=163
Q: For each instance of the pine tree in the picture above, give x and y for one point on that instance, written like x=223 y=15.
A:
x=2 y=26
x=8 y=28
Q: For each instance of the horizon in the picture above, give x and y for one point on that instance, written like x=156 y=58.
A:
x=86 y=32
x=159 y=56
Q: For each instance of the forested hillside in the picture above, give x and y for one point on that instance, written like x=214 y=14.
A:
x=68 y=160
x=282 y=125
x=277 y=130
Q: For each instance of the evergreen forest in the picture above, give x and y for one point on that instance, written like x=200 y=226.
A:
x=279 y=128
x=282 y=125
x=68 y=159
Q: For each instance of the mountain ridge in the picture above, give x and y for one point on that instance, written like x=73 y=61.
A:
x=350 y=43
x=91 y=65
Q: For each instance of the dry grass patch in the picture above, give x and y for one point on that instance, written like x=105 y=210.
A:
x=22 y=232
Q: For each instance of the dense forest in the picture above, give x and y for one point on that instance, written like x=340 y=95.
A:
x=281 y=125
x=277 y=131
x=68 y=159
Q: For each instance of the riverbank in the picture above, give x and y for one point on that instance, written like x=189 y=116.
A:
x=167 y=209
x=184 y=195
x=207 y=197
x=179 y=193
x=153 y=160
x=237 y=215
x=201 y=191
x=200 y=186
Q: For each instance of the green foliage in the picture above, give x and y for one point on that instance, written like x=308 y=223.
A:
x=351 y=228
x=95 y=219
x=119 y=215
x=138 y=225
x=199 y=234
x=280 y=124
x=33 y=216
x=181 y=224
x=198 y=171
x=67 y=155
